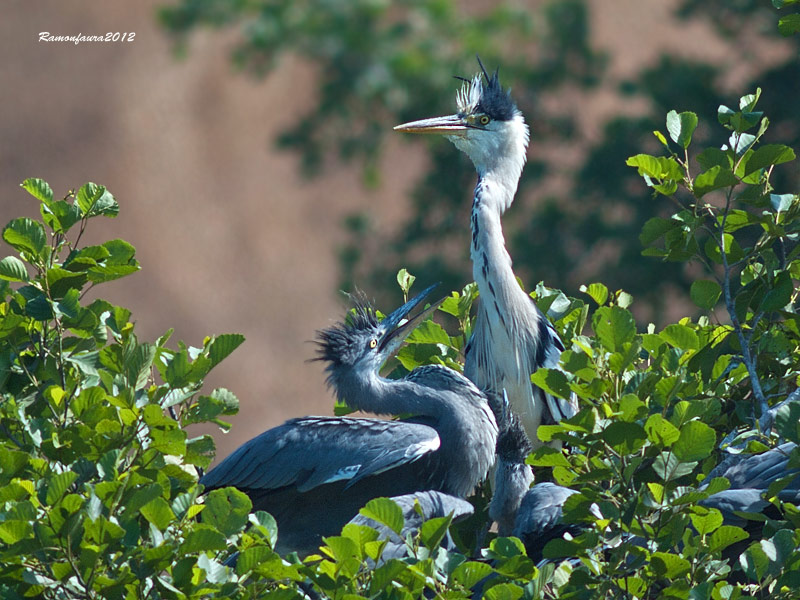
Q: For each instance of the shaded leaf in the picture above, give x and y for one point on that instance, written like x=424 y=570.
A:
x=705 y=293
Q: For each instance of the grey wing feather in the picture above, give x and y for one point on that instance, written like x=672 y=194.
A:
x=730 y=502
x=541 y=508
x=560 y=408
x=756 y=471
x=311 y=451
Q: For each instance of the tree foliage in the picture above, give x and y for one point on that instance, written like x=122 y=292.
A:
x=98 y=475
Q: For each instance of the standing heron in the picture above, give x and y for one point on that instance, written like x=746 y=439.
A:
x=313 y=474
x=511 y=338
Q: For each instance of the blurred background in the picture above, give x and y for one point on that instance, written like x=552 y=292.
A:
x=250 y=146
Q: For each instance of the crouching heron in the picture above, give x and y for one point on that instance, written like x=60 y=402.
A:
x=532 y=514
x=511 y=338
x=417 y=508
x=313 y=474
x=535 y=515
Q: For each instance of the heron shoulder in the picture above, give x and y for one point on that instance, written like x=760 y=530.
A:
x=439 y=377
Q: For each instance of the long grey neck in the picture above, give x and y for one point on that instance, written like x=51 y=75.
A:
x=511 y=482
x=369 y=392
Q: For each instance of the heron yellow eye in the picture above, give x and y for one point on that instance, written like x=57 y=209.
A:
x=373 y=342
x=484 y=120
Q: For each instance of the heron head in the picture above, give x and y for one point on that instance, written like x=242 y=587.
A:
x=488 y=126
x=363 y=342
x=513 y=444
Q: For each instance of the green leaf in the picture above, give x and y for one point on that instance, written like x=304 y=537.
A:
x=545 y=456
x=14 y=531
x=660 y=431
x=754 y=561
x=681 y=126
x=733 y=251
x=60 y=215
x=680 y=336
x=386 y=512
x=342 y=548
x=705 y=293
x=695 y=443
x=405 y=280
x=226 y=510
x=432 y=531
x=768 y=155
x=60 y=281
x=470 y=572
x=669 y=566
x=429 y=332
x=158 y=512
x=705 y=520
x=266 y=522
x=102 y=273
x=25 y=235
x=597 y=292
x=203 y=538
x=503 y=591
x=13 y=269
x=614 y=327
x=748 y=102
x=552 y=381
x=655 y=228
x=646 y=164
x=713 y=157
x=713 y=179
x=58 y=485
x=624 y=438
x=724 y=536
x=724 y=114
x=251 y=558
x=39 y=189
x=789 y=24
x=781 y=293
x=137 y=364
x=668 y=467
x=94 y=200
x=781 y=202
x=119 y=251
x=787 y=421
x=223 y=345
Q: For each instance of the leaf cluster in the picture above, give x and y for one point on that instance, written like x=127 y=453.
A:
x=98 y=474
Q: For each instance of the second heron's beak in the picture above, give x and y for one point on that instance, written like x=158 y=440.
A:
x=395 y=331
x=449 y=125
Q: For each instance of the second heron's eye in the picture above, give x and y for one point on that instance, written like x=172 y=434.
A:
x=373 y=342
x=484 y=120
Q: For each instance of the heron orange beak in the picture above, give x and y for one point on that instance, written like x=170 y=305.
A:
x=449 y=125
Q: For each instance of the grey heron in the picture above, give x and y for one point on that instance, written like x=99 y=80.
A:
x=313 y=474
x=532 y=514
x=511 y=337
x=431 y=504
x=535 y=515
